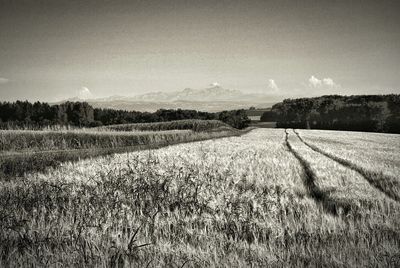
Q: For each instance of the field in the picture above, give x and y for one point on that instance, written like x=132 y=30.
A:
x=195 y=125
x=268 y=198
x=24 y=151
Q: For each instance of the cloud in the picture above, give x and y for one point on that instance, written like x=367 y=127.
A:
x=324 y=82
x=84 y=93
x=329 y=82
x=272 y=85
x=215 y=84
x=314 y=82
x=3 y=80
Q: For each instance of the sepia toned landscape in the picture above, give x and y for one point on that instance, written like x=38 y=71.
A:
x=191 y=134
x=270 y=197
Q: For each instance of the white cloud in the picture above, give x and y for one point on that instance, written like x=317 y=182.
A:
x=329 y=82
x=324 y=82
x=272 y=85
x=3 y=80
x=215 y=84
x=84 y=93
x=314 y=82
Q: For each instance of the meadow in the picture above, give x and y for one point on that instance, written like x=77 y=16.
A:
x=268 y=198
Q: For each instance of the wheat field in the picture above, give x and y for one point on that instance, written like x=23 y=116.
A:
x=24 y=151
x=269 y=198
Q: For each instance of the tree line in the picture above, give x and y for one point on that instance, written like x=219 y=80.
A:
x=378 y=113
x=81 y=114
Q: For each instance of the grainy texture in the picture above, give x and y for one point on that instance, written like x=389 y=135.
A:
x=27 y=151
x=374 y=156
x=239 y=201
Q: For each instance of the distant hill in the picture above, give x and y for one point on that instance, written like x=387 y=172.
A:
x=211 y=99
x=380 y=113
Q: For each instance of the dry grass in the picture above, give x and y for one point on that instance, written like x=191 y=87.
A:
x=233 y=202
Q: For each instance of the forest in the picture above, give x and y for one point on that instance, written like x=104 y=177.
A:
x=375 y=113
x=23 y=114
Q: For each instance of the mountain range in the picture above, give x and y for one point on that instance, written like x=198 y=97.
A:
x=212 y=99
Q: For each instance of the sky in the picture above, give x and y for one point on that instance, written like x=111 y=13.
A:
x=56 y=49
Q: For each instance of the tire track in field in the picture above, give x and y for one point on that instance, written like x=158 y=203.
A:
x=329 y=204
x=367 y=175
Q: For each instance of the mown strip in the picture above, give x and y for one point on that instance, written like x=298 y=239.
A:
x=309 y=177
x=384 y=184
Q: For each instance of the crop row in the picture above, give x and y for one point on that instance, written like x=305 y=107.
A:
x=37 y=151
x=192 y=124
x=14 y=140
